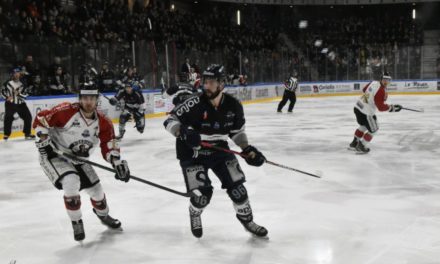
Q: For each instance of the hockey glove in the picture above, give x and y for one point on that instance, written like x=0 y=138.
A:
x=45 y=148
x=395 y=108
x=253 y=156
x=192 y=139
x=190 y=136
x=113 y=101
x=122 y=170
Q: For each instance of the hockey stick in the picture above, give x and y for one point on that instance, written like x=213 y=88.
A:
x=118 y=104
x=208 y=145
x=73 y=157
x=105 y=97
x=414 y=110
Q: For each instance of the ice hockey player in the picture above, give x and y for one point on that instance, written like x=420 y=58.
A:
x=213 y=117
x=374 y=97
x=14 y=94
x=194 y=78
x=132 y=103
x=290 y=86
x=181 y=90
x=76 y=129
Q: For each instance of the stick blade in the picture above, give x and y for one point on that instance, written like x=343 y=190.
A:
x=319 y=173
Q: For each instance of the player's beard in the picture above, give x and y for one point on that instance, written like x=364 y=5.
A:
x=88 y=108
x=213 y=95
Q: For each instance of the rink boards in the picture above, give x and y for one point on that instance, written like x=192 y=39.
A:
x=155 y=105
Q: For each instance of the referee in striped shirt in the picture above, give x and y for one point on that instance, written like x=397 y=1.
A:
x=14 y=94
x=290 y=86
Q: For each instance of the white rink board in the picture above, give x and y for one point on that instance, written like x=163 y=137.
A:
x=154 y=103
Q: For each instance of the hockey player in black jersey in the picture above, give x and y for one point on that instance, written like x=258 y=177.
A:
x=181 y=90
x=290 y=85
x=214 y=117
x=132 y=104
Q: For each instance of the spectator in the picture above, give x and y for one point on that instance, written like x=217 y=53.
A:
x=186 y=66
x=29 y=70
x=58 y=82
x=106 y=79
x=37 y=87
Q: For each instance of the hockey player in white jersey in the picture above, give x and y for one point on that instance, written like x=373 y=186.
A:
x=76 y=129
x=373 y=98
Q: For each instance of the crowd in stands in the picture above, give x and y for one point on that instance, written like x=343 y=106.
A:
x=55 y=80
x=353 y=41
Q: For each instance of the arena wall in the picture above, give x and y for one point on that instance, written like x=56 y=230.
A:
x=158 y=106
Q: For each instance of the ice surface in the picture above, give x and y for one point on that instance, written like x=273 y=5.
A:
x=383 y=207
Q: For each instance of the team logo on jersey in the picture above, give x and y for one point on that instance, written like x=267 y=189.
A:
x=86 y=133
x=216 y=125
x=187 y=105
x=76 y=123
x=230 y=114
x=229 y=124
x=81 y=148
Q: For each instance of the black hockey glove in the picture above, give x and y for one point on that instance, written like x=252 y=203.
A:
x=254 y=157
x=113 y=101
x=190 y=136
x=395 y=108
x=45 y=148
x=122 y=170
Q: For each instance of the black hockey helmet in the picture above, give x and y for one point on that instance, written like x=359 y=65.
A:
x=17 y=69
x=386 y=76
x=88 y=88
x=295 y=74
x=215 y=71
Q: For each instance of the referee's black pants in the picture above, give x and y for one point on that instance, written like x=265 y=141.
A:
x=288 y=95
x=23 y=113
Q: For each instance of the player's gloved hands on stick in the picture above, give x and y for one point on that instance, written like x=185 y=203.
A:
x=191 y=137
x=253 y=156
x=122 y=170
x=113 y=101
x=45 y=148
x=395 y=108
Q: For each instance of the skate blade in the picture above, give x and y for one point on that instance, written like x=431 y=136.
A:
x=266 y=237
x=116 y=229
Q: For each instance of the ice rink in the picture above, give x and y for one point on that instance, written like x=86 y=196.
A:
x=379 y=208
